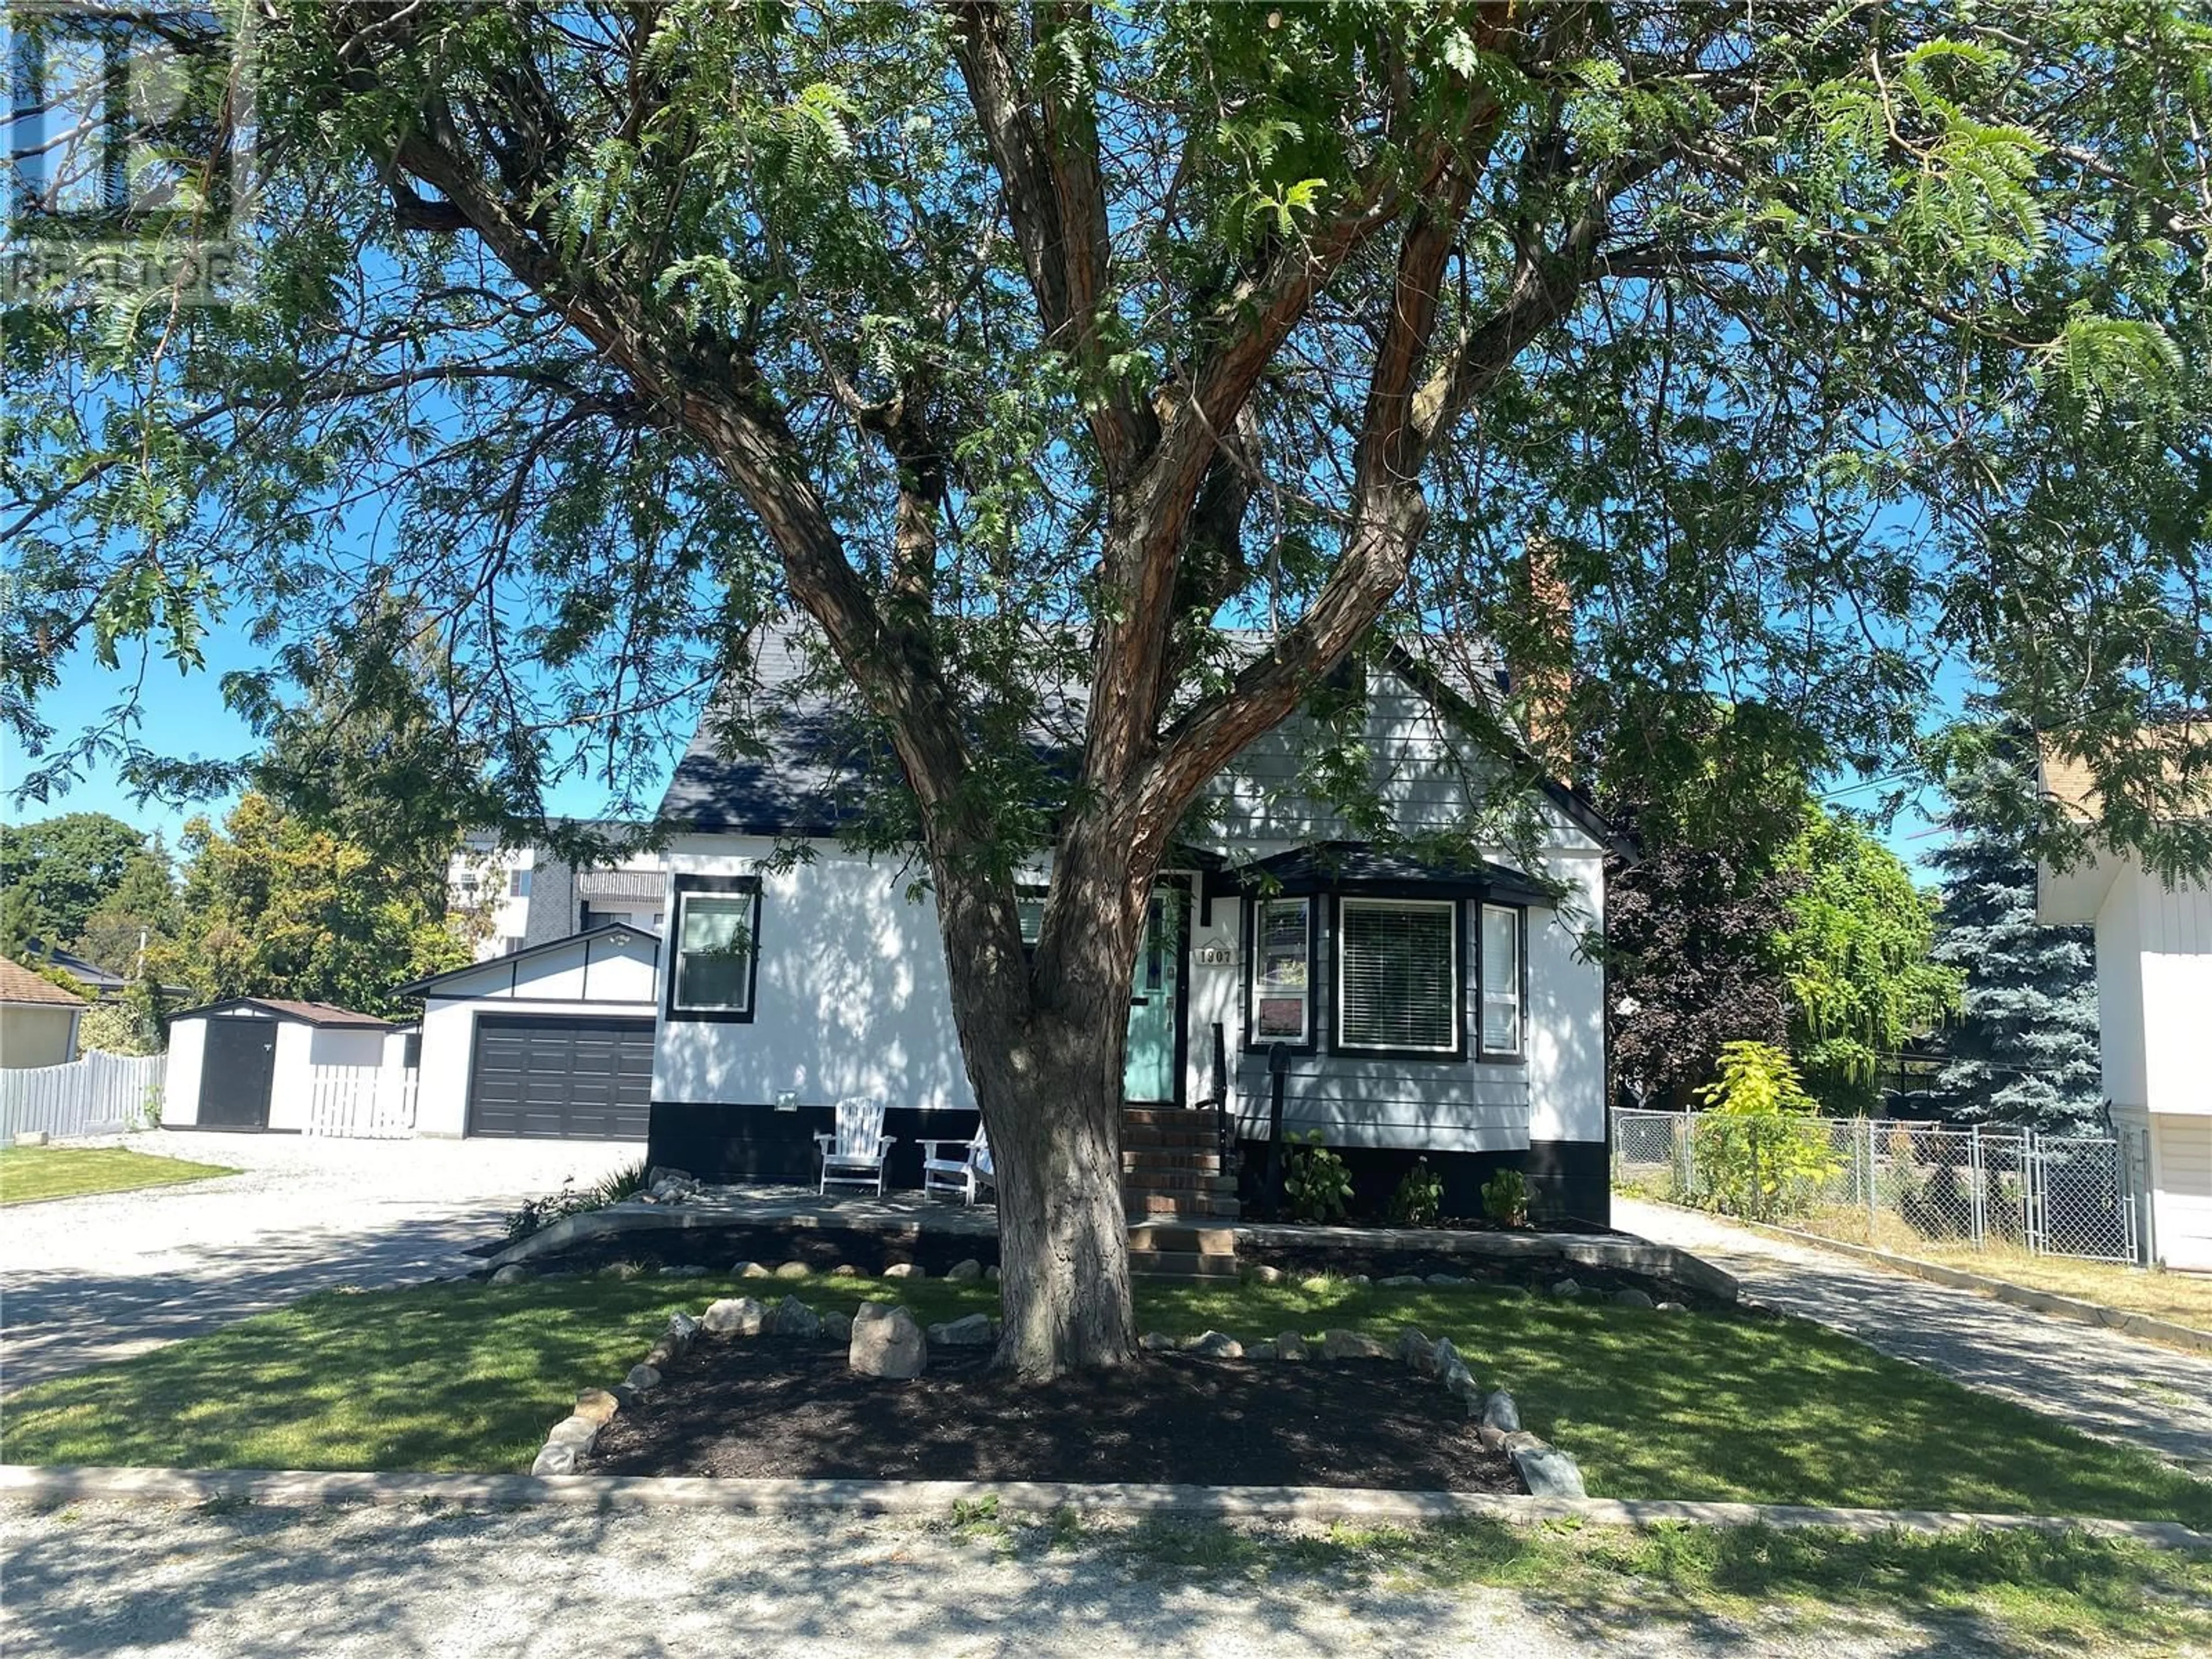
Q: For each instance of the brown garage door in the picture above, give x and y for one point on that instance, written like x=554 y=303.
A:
x=551 y=1076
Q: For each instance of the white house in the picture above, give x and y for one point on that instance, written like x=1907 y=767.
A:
x=38 y=1019
x=534 y=896
x=1437 y=1009
x=2155 y=1008
x=553 y=1039
x=250 y=1063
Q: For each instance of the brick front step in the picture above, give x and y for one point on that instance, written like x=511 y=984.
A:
x=1141 y=1160
x=1169 y=1140
x=1192 y=1206
x=1178 y=1181
x=1178 y=1264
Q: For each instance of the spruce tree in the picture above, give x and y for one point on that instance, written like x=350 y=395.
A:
x=2023 y=1050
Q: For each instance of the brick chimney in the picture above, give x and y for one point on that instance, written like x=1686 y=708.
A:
x=1543 y=675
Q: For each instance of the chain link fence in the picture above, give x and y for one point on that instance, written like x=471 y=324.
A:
x=1895 y=1185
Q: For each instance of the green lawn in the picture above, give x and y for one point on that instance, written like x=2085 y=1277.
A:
x=31 y=1174
x=1690 y=1406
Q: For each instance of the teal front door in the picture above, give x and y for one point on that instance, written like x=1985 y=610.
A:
x=1149 y=1069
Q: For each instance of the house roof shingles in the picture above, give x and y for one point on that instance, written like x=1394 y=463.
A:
x=19 y=985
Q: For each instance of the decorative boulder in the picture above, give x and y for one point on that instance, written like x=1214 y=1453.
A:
x=966 y=1271
x=1264 y=1274
x=1154 y=1342
x=1401 y=1282
x=1350 y=1345
x=513 y=1273
x=748 y=1270
x=1215 y=1344
x=1445 y=1355
x=735 y=1316
x=1548 y=1471
x=1448 y=1278
x=555 y=1460
x=990 y=1274
x=1632 y=1298
x=1358 y=1282
x=792 y=1317
x=886 y=1342
x=844 y=1270
x=644 y=1378
x=1459 y=1382
x=1566 y=1290
x=1260 y=1351
x=837 y=1327
x=972 y=1331
x=1289 y=1344
x=1417 y=1351
x=794 y=1270
x=1499 y=1412
x=906 y=1270
x=598 y=1405
x=579 y=1432
x=683 y=1330
x=624 y=1270
x=1673 y=1307
x=688 y=1270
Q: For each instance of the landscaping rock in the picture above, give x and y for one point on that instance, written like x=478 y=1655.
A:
x=682 y=1331
x=626 y=1396
x=1632 y=1298
x=1459 y=1382
x=1492 y=1439
x=1449 y=1278
x=1260 y=1351
x=1290 y=1346
x=1402 y=1282
x=686 y=1270
x=972 y=1331
x=1359 y=1281
x=1350 y=1345
x=1154 y=1342
x=661 y=1356
x=1673 y=1307
x=1264 y=1274
x=578 y=1431
x=886 y=1342
x=837 y=1327
x=794 y=1270
x=1215 y=1344
x=748 y=1270
x=1417 y=1351
x=1566 y=1290
x=906 y=1270
x=844 y=1270
x=792 y=1317
x=735 y=1316
x=555 y=1460
x=644 y=1378
x=1499 y=1412
x=513 y=1273
x=990 y=1274
x=1445 y=1355
x=1548 y=1471
x=965 y=1271
x=624 y=1270
x=598 y=1405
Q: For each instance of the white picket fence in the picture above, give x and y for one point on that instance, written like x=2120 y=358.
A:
x=362 y=1103
x=99 y=1094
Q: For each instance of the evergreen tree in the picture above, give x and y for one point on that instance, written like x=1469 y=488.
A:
x=2023 y=1050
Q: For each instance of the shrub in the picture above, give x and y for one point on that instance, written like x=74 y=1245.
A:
x=1760 y=1149
x=1315 y=1180
x=536 y=1214
x=1505 y=1198
x=1420 y=1198
x=116 y=1028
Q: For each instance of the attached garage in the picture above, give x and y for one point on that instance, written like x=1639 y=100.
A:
x=249 y=1062
x=561 y=1078
x=552 y=1042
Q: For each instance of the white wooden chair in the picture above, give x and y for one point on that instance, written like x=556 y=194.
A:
x=963 y=1178
x=855 y=1155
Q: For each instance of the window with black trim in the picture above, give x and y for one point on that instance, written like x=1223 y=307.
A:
x=1029 y=910
x=716 y=941
x=1398 y=982
x=1282 y=971
x=1504 y=930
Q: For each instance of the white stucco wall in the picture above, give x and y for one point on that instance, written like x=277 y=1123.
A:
x=180 y=1085
x=37 y=1034
x=2176 y=937
x=1566 y=1008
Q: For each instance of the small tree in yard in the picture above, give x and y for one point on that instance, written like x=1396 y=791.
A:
x=2023 y=1051
x=1026 y=350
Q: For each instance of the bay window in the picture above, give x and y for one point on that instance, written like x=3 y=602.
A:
x=1282 y=980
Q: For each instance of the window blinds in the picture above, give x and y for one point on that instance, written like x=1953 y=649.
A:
x=1396 y=975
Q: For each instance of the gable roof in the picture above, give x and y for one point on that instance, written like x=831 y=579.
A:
x=807 y=781
x=19 y=985
x=604 y=930
x=308 y=1013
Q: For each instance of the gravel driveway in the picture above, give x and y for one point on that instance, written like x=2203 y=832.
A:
x=244 y=1583
x=2097 y=1380
x=87 y=1279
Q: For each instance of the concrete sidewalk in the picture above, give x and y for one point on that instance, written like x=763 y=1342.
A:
x=2097 y=1380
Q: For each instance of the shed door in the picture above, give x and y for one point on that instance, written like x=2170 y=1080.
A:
x=557 y=1076
x=238 y=1072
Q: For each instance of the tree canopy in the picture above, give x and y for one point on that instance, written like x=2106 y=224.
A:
x=56 y=873
x=1025 y=350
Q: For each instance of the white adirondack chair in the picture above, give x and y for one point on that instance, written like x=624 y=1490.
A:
x=855 y=1155
x=961 y=1177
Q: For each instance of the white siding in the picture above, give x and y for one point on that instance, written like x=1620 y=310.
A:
x=180 y=1094
x=851 y=997
x=2177 y=998
x=2181 y=1157
x=2119 y=994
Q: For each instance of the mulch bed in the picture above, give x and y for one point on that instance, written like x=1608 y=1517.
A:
x=762 y=1406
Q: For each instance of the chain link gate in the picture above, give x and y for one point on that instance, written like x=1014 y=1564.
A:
x=1890 y=1183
